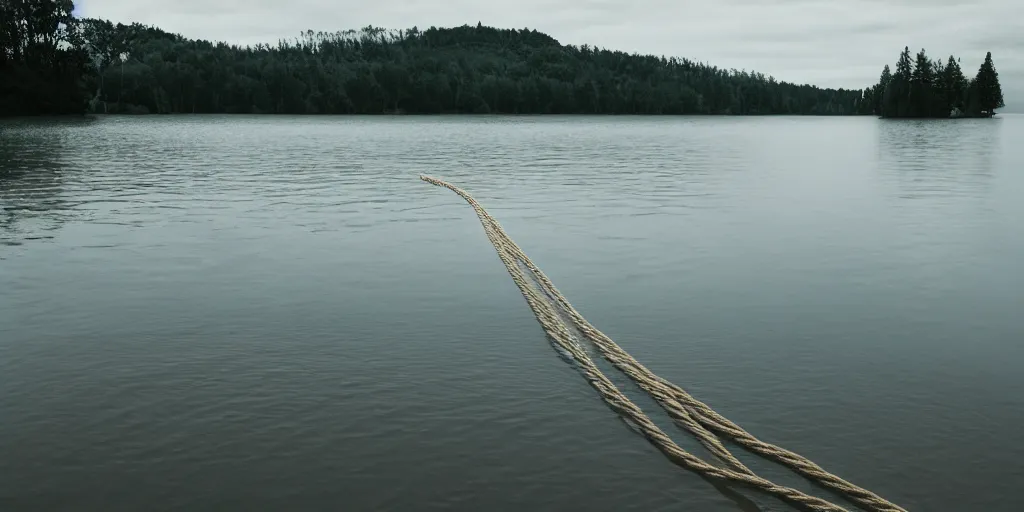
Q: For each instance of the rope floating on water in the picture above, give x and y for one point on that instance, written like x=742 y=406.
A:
x=549 y=306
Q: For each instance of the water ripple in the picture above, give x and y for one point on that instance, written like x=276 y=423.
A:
x=217 y=312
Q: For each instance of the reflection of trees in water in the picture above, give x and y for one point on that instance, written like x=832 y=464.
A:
x=939 y=157
x=31 y=181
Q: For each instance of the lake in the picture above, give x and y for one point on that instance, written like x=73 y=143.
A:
x=242 y=313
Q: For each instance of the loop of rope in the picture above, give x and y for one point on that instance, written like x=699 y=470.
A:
x=685 y=410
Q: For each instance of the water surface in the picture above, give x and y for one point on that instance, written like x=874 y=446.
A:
x=238 y=313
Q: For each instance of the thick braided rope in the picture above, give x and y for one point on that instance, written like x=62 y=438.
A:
x=511 y=256
x=699 y=410
x=556 y=329
x=677 y=412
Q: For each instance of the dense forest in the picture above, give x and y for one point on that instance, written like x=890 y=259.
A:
x=923 y=88
x=43 y=62
x=459 y=70
x=52 y=62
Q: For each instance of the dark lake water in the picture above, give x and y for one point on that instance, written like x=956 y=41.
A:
x=251 y=313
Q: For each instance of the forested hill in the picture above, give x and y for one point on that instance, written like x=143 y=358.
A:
x=458 y=70
x=468 y=69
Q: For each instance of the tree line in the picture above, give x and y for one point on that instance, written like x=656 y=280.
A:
x=925 y=88
x=439 y=70
x=55 y=63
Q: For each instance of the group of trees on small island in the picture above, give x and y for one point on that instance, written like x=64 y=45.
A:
x=924 y=88
x=54 y=63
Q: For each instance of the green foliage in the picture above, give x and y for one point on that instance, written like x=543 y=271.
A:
x=923 y=88
x=456 y=70
x=42 y=58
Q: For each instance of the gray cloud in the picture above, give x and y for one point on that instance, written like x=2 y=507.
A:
x=828 y=43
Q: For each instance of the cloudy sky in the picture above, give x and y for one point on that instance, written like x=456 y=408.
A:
x=832 y=43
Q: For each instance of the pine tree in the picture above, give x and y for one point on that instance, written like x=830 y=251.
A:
x=886 y=76
x=903 y=64
x=990 y=94
x=938 y=71
x=896 y=99
x=922 y=97
x=879 y=90
x=953 y=85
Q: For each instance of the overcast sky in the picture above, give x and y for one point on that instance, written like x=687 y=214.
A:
x=831 y=43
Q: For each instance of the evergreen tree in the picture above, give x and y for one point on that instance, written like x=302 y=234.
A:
x=922 y=96
x=896 y=101
x=903 y=65
x=879 y=89
x=990 y=94
x=953 y=85
x=938 y=72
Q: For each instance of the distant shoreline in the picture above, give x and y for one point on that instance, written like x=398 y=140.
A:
x=100 y=67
